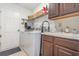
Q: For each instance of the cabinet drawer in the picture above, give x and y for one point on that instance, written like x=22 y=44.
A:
x=62 y=51
x=68 y=43
x=47 y=38
x=53 y=10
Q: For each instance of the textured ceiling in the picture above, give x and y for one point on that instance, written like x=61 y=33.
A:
x=30 y=6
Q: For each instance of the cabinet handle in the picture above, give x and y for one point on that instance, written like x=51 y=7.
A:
x=0 y=44
x=0 y=36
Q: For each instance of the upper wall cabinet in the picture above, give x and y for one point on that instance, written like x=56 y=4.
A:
x=53 y=10
x=67 y=8
x=77 y=7
x=56 y=10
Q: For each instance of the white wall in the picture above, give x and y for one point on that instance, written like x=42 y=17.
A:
x=38 y=23
x=11 y=15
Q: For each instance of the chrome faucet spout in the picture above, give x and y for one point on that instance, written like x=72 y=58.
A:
x=43 y=26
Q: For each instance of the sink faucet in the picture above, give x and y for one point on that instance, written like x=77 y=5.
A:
x=43 y=26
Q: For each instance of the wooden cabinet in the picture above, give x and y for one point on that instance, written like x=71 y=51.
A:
x=66 y=47
x=62 y=9
x=47 y=38
x=66 y=8
x=57 y=46
x=53 y=10
x=68 y=43
x=63 y=51
x=76 y=7
x=47 y=46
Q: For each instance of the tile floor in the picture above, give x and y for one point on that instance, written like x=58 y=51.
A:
x=20 y=53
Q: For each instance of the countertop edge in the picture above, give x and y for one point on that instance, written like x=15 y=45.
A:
x=73 y=38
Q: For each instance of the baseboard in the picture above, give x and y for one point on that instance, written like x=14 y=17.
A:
x=9 y=52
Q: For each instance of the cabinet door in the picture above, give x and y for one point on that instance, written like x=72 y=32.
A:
x=47 y=48
x=68 y=43
x=53 y=10
x=77 y=7
x=47 y=38
x=62 y=51
x=67 y=8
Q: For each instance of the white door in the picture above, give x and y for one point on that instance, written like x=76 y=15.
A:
x=9 y=29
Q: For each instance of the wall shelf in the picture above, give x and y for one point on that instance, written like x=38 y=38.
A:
x=36 y=15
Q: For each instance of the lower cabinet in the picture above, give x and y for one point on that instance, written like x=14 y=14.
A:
x=57 y=46
x=47 y=48
x=62 y=51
